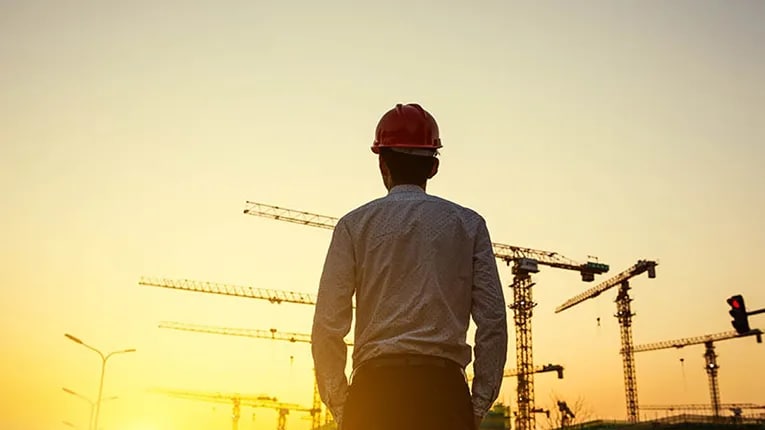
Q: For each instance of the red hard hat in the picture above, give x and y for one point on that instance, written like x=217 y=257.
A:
x=407 y=126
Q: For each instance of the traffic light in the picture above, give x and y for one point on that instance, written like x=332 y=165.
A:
x=738 y=312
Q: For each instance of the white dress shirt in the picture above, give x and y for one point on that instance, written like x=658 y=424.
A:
x=420 y=267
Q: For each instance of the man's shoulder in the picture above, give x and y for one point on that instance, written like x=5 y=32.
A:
x=361 y=211
x=465 y=211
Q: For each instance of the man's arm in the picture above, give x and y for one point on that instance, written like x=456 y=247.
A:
x=332 y=321
x=489 y=313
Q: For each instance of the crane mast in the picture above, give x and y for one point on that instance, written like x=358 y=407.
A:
x=525 y=262
x=624 y=315
x=522 y=307
x=710 y=357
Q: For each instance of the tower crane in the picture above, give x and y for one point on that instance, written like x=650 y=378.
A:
x=624 y=314
x=525 y=262
x=272 y=334
x=238 y=400
x=273 y=296
x=709 y=355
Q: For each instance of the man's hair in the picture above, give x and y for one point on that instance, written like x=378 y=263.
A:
x=407 y=168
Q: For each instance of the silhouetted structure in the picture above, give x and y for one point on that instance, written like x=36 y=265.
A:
x=624 y=314
x=709 y=356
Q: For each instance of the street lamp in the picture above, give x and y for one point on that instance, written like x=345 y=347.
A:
x=103 y=370
x=90 y=402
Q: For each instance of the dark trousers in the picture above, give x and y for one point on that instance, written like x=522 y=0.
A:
x=408 y=397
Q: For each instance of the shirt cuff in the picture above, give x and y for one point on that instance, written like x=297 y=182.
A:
x=337 y=414
x=480 y=408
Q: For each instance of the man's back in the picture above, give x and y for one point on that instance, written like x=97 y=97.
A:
x=420 y=267
x=414 y=275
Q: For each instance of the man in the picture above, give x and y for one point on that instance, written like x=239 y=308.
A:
x=420 y=267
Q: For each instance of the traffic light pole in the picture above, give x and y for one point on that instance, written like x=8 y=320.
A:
x=758 y=311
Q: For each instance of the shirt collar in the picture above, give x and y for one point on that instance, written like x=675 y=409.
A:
x=406 y=188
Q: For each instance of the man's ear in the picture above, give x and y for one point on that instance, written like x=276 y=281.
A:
x=383 y=167
x=434 y=169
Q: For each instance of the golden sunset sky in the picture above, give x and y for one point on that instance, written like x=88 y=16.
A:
x=132 y=133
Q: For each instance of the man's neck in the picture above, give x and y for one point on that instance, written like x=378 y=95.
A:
x=423 y=186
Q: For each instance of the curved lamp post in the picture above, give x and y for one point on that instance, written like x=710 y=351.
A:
x=103 y=370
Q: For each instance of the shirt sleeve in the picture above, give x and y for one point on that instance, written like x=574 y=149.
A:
x=490 y=316
x=332 y=321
